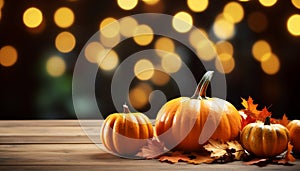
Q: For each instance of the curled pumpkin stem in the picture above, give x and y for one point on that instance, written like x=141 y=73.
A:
x=267 y=121
x=200 y=92
x=126 y=109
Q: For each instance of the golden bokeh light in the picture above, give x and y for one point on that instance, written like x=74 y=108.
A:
x=93 y=51
x=127 y=26
x=260 y=48
x=110 y=41
x=164 y=44
x=127 y=4
x=109 y=27
x=225 y=64
x=233 y=12
x=143 y=35
x=8 y=56
x=108 y=61
x=197 y=5
x=244 y=0
x=55 y=66
x=182 y=22
x=205 y=50
x=151 y=2
x=160 y=78
x=139 y=95
x=296 y=3
x=32 y=17
x=1 y=4
x=197 y=35
x=268 y=3
x=171 y=62
x=222 y=28
x=224 y=47
x=64 y=17
x=293 y=24
x=65 y=42
x=271 y=65
x=144 y=69
x=257 y=21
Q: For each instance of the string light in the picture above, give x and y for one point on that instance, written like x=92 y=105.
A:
x=143 y=35
x=293 y=24
x=182 y=22
x=197 y=5
x=64 y=17
x=32 y=17
x=127 y=4
x=8 y=56
x=55 y=66
x=65 y=42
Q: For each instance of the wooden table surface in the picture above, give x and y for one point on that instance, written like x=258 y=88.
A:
x=63 y=145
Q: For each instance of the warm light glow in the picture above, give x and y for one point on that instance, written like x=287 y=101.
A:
x=143 y=35
x=223 y=29
x=144 y=69
x=182 y=22
x=233 y=12
x=225 y=64
x=160 y=78
x=271 y=65
x=127 y=4
x=64 y=17
x=55 y=66
x=110 y=41
x=293 y=24
x=109 y=27
x=8 y=56
x=224 y=47
x=32 y=17
x=164 y=44
x=197 y=35
x=197 y=5
x=205 y=50
x=268 y=3
x=93 y=51
x=260 y=48
x=257 y=21
x=138 y=96
x=1 y=3
x=171 y=62
x=65 y=42
x=244 y=0
x=151 y=2
x=109 y=61
x=127 y=26
x=296 y=3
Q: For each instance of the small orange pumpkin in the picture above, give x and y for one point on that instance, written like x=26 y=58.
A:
x=125 y=133
x=294 y=128
x=187 y=123
x=265 y=139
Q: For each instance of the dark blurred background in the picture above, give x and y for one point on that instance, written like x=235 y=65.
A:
x=258 y=43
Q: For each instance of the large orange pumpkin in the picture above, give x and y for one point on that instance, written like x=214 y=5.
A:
x=265 y=139
x=187 y=123
x=125 y=133
x=294 y=128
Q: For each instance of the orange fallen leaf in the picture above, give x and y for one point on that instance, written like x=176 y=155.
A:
x=198 y=158
x=152 y=149
x=174 y=157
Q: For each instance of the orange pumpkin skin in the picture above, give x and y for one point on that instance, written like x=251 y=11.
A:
x=183 y=119
x=294 y=128
x=125 y=133
x=264 y=140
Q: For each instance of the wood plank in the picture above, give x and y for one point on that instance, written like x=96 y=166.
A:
x=89 y=156
x=67 y=139
x=49 y=123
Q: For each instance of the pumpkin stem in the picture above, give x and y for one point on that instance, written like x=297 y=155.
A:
x=200 y=92
x=126 y=109
x=267 y=121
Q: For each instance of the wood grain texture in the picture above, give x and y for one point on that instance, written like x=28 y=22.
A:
x=63 y=145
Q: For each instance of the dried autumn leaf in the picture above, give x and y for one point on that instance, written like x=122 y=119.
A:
x=246 y=119
x=284 y=121
x=288 y=156
x=216 y=148
x=250 y=107
x=264 y=114
x=198 y=158
x=152 y=149
x=239 y=151
x=174 y=157
x=256 y=161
